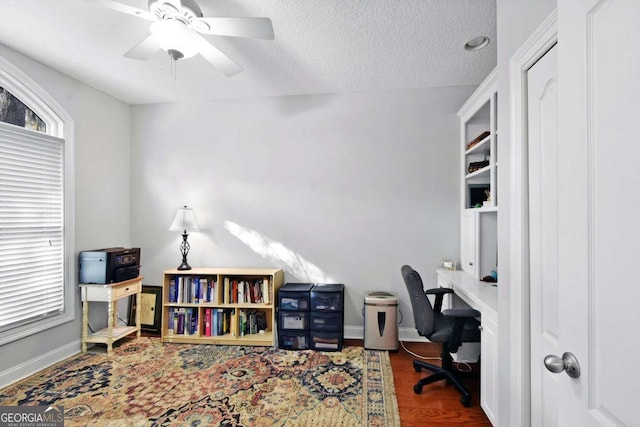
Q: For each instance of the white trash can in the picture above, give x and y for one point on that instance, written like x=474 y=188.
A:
x=380 y=321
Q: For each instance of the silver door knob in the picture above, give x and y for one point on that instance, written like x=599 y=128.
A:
x=567 y=363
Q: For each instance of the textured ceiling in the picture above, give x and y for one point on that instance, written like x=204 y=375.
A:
x=320 y=46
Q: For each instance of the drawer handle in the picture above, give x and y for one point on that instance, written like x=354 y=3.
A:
x=126 y=289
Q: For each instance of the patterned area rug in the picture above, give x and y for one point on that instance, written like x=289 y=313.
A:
x=147 y=383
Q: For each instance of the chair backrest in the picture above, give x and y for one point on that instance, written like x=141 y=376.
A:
x=423 y=315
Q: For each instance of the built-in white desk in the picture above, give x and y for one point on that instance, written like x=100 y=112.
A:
x=483 y=296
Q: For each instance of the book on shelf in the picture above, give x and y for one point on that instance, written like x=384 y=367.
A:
x=203 y=290
x=170 y=321
x=215 y=323
x=225 y=290
x=180 y=321
x=180 y=289
x=173 y=290
x=207 y=322
x=266 y=290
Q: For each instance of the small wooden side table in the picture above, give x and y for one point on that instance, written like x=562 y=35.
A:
x=109 y=293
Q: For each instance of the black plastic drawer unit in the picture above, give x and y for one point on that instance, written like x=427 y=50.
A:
x=326 y=329
x=294 y=296
x=311 y=316
x=321 y=321
x=293 y=316
x=327 y=297
x=326 y=341
x=298 y=320
x=293 y=340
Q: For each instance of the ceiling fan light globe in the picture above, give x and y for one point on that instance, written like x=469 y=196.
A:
x=173 y=36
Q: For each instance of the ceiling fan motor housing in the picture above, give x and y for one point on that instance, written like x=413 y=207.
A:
x=175 y=54
x=184 y=9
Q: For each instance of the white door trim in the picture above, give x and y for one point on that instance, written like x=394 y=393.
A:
x=519 y=336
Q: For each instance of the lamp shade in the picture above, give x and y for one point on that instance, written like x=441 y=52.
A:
x=185 y=220
x=174 y=36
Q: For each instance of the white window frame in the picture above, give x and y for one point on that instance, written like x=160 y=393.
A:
x=59 y=124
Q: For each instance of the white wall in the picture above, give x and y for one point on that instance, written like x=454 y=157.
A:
x=102 y=130
x=516 y=19
x=343 y=188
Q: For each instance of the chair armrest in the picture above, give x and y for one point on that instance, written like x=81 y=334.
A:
x=461 y=312
x=461 y=315
x=439 y=293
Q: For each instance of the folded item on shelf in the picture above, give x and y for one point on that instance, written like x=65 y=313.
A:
x=474 y=166
x=479 y=138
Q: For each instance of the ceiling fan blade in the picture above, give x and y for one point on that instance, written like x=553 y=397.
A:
x=130 y=10
x=256 y=28
x=144 y=50
x=217 y=58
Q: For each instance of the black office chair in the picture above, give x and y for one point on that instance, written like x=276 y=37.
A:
x=450 y=327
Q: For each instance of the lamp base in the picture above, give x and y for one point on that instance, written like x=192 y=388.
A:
x=184 y=266
x=184 y=250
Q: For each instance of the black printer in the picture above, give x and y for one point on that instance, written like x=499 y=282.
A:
x=109 y=265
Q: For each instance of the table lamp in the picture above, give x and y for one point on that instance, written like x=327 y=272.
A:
x=184 y=221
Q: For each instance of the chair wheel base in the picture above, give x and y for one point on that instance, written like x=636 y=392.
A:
x=417 y=389
x=466 y=401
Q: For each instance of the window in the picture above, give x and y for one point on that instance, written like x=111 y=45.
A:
x=13 y=111
x=37 y=267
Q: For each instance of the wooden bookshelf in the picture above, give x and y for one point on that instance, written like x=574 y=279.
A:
x=220 y=305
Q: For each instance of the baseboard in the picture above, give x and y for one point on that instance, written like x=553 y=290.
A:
x=36 y=364
x=354 y=332
x=404 y=334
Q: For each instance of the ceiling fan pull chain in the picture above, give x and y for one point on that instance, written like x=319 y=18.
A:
x=173 y=68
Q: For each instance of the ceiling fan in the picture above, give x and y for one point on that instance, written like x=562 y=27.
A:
x=176 y=29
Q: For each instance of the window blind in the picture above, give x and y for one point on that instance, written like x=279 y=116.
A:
x=31 y=226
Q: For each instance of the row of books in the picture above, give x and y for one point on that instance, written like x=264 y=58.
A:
x=238 y=291
x=217 y=322
x=252 y=322
x=183 y=321
x=192 y=290
x=197 y=290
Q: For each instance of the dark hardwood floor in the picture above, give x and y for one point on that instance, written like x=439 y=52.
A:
x=439 y=404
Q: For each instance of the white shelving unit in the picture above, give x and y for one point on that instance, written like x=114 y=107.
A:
x=479 y=230
x=479 y=204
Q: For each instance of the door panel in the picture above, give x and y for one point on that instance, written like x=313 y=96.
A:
x=542 y=110
x=599 y=234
